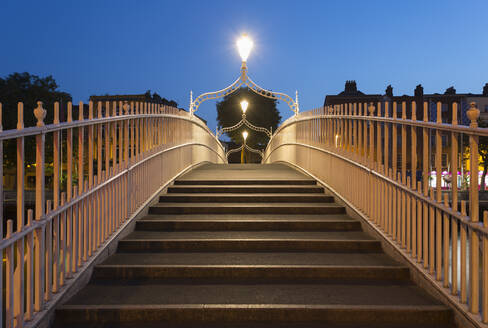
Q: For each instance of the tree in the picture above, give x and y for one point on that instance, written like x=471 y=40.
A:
x=156 y=98
x=450 y=91
x=29 y=89
x=483 y=151
x=261 y=112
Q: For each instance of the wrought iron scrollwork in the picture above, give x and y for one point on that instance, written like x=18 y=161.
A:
x=244 y=80
x=245 y=122
x=244 y=146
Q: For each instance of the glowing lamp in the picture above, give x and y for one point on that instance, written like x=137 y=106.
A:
x=244 y=105
x=244 y=44
x=244 y=135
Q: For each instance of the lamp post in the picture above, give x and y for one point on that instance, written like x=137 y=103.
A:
x=244 y=45
x=243 y=147
x=244 y=136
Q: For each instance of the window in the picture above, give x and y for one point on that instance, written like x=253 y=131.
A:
x=444 y=160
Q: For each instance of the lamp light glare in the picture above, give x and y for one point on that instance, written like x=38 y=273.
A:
x=244 y=135
x=244 y=44
x=244 y=105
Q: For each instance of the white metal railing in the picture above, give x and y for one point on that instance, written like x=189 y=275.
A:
x=104 y=168
x=370 y=154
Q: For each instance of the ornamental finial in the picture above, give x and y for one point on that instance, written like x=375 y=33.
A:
x=473 y=114
x=371 y=109
x=126 y=108
x=40 y=114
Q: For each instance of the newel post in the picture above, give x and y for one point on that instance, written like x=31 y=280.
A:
x=473 y=114
x=371 y=110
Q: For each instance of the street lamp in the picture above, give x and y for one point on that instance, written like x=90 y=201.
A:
x=244 y=44
x=244 y=105
x=244 y=135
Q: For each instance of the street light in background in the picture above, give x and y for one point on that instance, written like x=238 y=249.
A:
x=244 y=135
x=244 y=105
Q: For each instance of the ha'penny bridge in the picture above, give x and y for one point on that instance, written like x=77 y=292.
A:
x=146 y=225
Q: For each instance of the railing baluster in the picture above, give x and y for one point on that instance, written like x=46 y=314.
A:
x=9 y=279
x=40 y=278
x=446 y=245
x=473 y=115
x=484 y=272
x=29 y=267
x=404 y=143
x=464 y=295
x=69 y=155
x=19 y=283
x=48 y=255
x=454 y=256
x=394 y=142
x=62 y=243
x=20 y=169
x=419 y=224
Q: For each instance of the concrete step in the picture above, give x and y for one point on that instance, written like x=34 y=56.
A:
x=254 y=325
x=238 y=273
x=222 y=315
x=254 y=302
x=248 y=217
x=247 y=208
x=247 y=182
x=243 y=189
x=196 y=258
x=248 y=225
x=244 y=198
x=248 y=245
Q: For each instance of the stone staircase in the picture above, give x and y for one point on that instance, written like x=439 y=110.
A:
x=250 y=246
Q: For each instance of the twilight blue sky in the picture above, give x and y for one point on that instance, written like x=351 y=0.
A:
x=172 y=47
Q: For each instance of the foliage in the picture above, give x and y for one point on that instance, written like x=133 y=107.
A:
x=29 y=89
x=156 y=98
x=261 y=112
x=450 y=91
x=483 y=151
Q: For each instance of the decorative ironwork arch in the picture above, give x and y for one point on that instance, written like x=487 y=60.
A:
x=242 y=122
x=244 y=146
x=244 y=79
